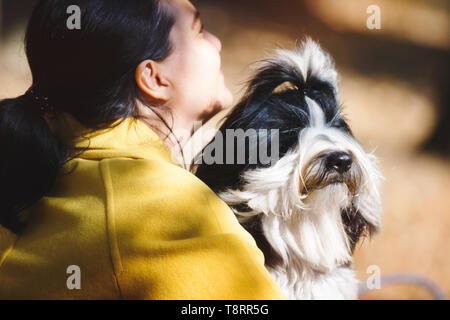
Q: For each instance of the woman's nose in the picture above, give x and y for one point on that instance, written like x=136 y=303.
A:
x=215 y=41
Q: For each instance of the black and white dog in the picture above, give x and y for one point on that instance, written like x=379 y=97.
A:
x=308 y=209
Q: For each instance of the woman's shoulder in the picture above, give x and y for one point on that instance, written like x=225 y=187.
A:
x=166 y=199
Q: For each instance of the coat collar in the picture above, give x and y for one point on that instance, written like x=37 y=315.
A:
x=131 y=138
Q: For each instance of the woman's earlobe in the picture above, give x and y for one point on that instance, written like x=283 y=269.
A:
x=149 y=81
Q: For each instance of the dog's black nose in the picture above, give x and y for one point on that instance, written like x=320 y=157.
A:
x=339 y=161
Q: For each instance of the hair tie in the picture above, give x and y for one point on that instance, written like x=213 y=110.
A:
x=44 y=105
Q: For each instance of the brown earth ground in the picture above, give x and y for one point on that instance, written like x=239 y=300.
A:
x=394 y=87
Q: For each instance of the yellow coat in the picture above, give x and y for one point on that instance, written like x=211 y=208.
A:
x=136 y=224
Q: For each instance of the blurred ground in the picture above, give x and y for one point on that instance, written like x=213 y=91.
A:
x=394 y=87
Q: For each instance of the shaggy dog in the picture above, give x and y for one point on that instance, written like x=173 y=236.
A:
x=307 y=207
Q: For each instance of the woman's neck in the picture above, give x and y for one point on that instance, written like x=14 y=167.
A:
x=173 y=129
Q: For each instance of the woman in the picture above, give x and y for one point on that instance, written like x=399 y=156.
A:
x=94 y=206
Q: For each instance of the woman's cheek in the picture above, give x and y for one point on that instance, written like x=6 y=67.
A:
x=202 y=92
x=208 y=75
x=199 y=69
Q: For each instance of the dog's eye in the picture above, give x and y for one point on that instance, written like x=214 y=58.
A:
x=339 y=123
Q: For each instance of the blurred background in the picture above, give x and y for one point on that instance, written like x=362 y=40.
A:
x=394 y=88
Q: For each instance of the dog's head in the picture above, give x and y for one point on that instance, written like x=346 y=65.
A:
x=322 y=192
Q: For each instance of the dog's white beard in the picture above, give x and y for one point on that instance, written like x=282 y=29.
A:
x=313 y=244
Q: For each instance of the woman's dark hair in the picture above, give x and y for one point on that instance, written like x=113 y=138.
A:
x=88 y=73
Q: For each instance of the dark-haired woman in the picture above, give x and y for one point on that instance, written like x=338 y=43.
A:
x=93 y=204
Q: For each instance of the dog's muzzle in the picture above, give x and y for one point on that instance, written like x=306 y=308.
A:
x=328 y=168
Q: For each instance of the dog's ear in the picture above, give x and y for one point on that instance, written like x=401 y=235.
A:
x=270 y=75
x=307 y=69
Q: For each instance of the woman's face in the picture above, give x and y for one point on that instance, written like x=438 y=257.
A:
x=194 y=66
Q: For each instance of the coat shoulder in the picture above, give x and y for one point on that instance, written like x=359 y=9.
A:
x=176 y=239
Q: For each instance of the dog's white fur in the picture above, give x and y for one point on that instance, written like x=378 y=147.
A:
x=306 y=229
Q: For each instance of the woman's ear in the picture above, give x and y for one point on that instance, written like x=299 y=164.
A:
x=151 y=82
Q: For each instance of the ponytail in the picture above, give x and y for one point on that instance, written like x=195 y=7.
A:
x=30 y=161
